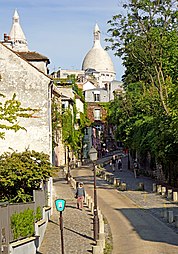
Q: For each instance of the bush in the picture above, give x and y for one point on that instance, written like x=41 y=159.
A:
x=23 y=223
x=21 y=173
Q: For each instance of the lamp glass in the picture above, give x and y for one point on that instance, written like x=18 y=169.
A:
x=93 y=154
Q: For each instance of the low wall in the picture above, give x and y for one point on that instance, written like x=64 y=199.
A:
x=31 y=245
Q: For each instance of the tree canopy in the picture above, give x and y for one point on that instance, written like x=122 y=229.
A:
x=146 y=115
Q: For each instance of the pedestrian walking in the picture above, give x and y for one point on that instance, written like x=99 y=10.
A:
x=119 y=164
x=113 y=163
x=135 y=168
x=80 y=195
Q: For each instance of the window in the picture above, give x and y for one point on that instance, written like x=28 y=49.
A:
x=97 y=114
x=96 y=95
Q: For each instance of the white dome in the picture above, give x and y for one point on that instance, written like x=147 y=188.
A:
x=97 y=58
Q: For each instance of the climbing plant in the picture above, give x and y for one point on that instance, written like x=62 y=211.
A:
x=10 y=111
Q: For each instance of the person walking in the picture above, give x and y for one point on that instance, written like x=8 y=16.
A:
x=135 y=168
x=113 y=163
x=80 y=195
x=119 y=164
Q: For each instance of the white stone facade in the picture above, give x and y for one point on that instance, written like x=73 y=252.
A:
x=32 y=89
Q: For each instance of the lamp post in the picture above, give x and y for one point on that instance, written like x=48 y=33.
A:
x=68 y=165
x=93 y=157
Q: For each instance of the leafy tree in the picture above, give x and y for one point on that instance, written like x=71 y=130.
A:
x=10 y=111
x=146 y=115
x=21 y=173
x=146 y=38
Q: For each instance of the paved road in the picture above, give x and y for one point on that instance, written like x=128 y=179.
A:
x=134 y=230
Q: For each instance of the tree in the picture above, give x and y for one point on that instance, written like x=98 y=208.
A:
x=10 y=111
x=147 y=114
x=146 y=38
x=21 y=173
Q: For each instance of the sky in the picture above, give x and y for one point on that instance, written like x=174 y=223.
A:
x=62 y=30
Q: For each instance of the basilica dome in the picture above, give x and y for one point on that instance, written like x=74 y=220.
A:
x=97 y=58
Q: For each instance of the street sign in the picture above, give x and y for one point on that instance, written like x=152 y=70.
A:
x=60 y=204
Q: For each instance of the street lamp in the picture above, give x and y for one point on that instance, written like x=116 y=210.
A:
x=93 y=157
x=68 y=165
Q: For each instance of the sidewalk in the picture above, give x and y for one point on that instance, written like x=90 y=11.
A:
x=78 y=228
x=147 y=199
x=78 y=234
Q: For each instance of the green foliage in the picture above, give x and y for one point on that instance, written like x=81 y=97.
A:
x=22 y=224
x=146 y=115
x=21 y=173
x=38 y=215
x=10 y=111
x=66 y=121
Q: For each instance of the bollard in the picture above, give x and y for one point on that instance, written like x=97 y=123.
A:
x=107 y=177
x=165 y=211
x=118 y=181
x=154 y=187
x=112 y=179
x=102 y=238
x=88 y=201
x=123 y=187
x=86 y=198
x=101 y=226
x=92 y=207
x=163 y=191
x=100 y=244
x=141 y=186
x=170 y=217
x=175 y=196
x=159 y=189
x=96 y=250
x=176 y=220
x=169 y=194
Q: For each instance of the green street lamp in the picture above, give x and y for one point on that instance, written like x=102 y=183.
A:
x=93 y=157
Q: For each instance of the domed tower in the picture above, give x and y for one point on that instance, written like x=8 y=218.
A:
x=17 y=35
x=98 y=59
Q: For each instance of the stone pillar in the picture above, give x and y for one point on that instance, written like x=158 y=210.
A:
x=170 y=217
x=100 y=244
x=101 y=226
x=154 y=187
x=176 y=220
x=123 y=187
x=102 y=238
x=141 y=186
x=163 y=191
x=118 y=181
x=159 y=189
x=86 y=198
x=175 y=196
x=164 y=213
x=169 y=193
x=96 y=249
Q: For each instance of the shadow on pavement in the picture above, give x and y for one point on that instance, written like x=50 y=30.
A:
x=148 y=227
x=83 y=235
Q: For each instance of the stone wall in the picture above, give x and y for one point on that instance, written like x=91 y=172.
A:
x=32 y=89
